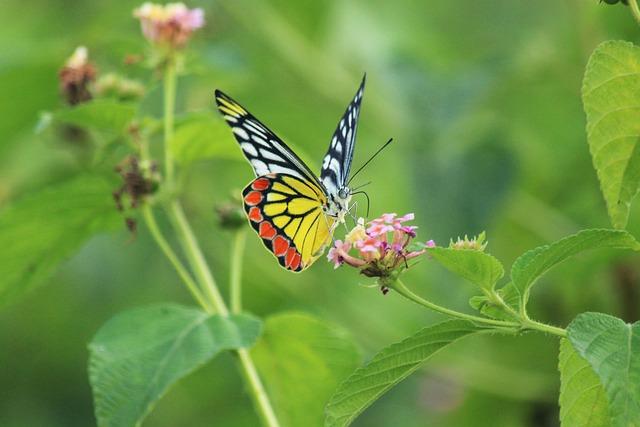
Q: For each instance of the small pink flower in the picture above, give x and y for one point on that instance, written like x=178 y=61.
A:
x=407 y=217
x=379 y=228
x=169 y=25
x=369 y=244
x=335 y=254
x=382 y=248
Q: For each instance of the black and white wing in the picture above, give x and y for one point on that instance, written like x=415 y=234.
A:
x=263 y=149
x=337 y=162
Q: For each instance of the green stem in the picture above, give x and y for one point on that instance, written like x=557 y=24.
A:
x=399 y=287
x=633 y=4
x=196 y=258
x=260 y=397
x=235 y=280
x=152 y=225
x=212 y=301
x=495 y=298
x=169 y=110
x=523 y=323
x=198 y=263
x=543 y=327
x=524 y=319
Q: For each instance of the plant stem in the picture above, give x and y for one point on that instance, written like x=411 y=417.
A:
x=198 y=263
x=633 y=4
x=261 y=400
x=235 y=280
x=523 y=323
x=497 y=299
x=169 y=108
x=399 y=287
x=196 y=258
x=152 y=225
x=543 y=327
x=212 y=301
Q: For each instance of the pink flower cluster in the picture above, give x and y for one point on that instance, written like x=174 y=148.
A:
x=382 y=246
x=169 y=25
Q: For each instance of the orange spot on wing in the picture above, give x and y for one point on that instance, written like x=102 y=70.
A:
x=260 y=184
x=255 y=215
x=280 y=246
x=289 y=258
x=267 y=231
x=253 y=198
x=295 y=262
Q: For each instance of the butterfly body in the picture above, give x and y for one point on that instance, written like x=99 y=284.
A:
x=291 y=209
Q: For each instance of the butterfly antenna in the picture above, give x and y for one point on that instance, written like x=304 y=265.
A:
x=360 y=186
x=367 y=197
x=370 y=158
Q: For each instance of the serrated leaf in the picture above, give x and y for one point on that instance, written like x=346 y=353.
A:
x=200 y=136
x=43 y=228
x=583 y=401
x=105 y=115
x=534 y=263
x=612 y=348
x=302 y=360
x=481 y=269
x=137 y=355
x=610 y=96
x=389 y=367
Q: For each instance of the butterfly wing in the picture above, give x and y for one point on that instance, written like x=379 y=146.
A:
x=337 y=162
x=285 y=202
x=263 y=149
x=287 y=213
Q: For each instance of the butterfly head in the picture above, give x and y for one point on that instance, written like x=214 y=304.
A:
x=338 y=204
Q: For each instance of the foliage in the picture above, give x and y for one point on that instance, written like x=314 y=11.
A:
x=136 y=356
x=533 y=264
x=490 y=134
x=40 y=230
x=583 y=402
x=303 y=359
x=390 y=366
x=611 y=82
x=479 y=268
x=611 y=348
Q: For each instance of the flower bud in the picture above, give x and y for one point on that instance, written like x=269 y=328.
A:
x=138 y=182
x=76 y=76
x=169 y=25
x=230 y=214
x=476 y=243
x=112 y=85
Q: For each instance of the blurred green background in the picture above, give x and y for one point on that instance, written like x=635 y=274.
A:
x=483 y=100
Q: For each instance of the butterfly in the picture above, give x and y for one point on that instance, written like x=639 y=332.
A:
x=293 y=210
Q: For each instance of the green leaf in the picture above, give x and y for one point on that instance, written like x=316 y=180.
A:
x=302 y=360
x=479 y=268
x=40 y=230
x=389 y=367
x=201 y=136
x=610 y=97
x=534 y=263
x=100 y=114
x=612 y=348
x=137 y=355
x=583 y=401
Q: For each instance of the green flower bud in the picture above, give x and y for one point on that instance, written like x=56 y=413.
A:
x=231 y=215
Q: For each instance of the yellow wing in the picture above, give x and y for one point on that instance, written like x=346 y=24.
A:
x=287 y=213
